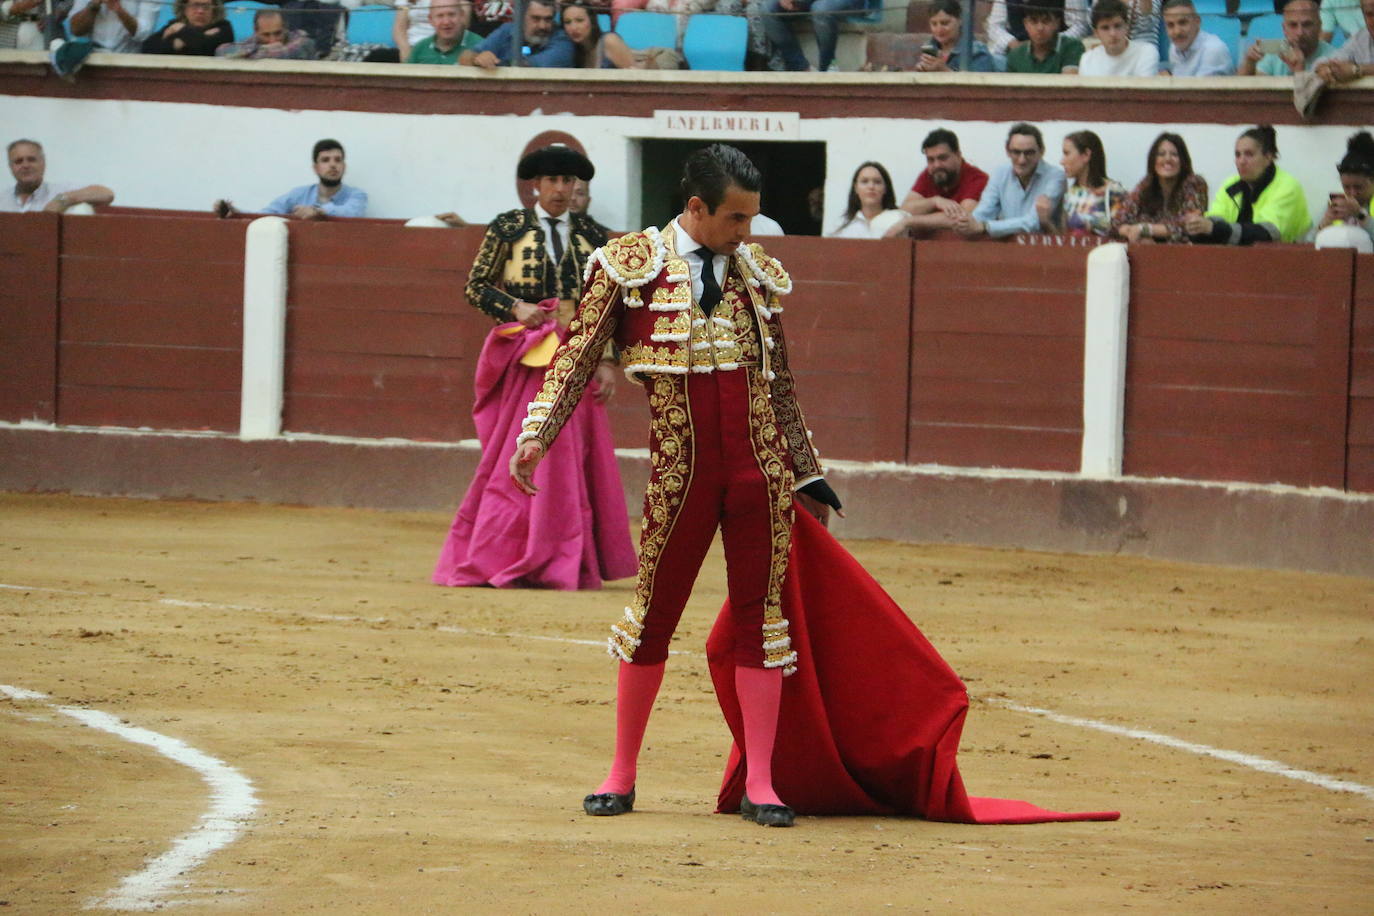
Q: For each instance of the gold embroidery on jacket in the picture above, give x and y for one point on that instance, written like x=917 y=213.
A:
x=770 y=453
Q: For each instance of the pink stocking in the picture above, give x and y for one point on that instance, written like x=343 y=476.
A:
x=760 y=695
x=636 y=688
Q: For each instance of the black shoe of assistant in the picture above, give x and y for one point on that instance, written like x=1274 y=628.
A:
x=766 y=815
x=608 y=804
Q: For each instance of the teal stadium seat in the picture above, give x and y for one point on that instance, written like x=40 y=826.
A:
x=371 y=25
x=1270 y=26
x=604 y=21
x=1227 y=28
x=715 y=42
x=1245 y=9
x=165 y=15
x=642 y=30
x=1207 y=8
x=240 y=14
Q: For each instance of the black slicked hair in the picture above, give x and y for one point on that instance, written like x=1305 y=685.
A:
x=708 y=173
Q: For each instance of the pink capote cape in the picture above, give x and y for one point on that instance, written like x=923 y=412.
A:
x=571 y=535
x=870 y=722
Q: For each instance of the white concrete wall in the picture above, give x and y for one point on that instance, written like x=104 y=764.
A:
x=184 y=156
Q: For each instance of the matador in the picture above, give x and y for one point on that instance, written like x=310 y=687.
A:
x=696 y=315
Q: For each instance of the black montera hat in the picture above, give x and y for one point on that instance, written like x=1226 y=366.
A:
x=555 y=160
x=1043 y=6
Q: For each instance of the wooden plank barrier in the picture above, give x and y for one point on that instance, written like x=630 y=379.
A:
x=151 y=329
x=1359 y=468
x=1237 y=364
x=28 y=316
x=380 y=339
x=996 y=363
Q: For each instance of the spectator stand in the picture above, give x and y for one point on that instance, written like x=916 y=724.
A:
x=371 y=25
x=1228 y=29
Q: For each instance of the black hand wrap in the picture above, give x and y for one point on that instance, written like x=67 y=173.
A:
x=820 y=491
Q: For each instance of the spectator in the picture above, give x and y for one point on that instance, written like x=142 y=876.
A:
x=1143 y=16
x=1010 y=201
x=945 y=191
x=1093 y=200
x=32 y=194
x=1353 y=59
x=20 y=25
x=1007 y=28
x=1156 y=210
x=411 y=25
x=1047 y=48
x=451 y=36
x=1261 y=203
x=1302 y=42
x=330 y=197
x=198 y=27
x=1357 y=184
x=825 y=22
x=1119 y=54
x=271 y=40
x=1340 y=14
x=872 y=204
x=944 y=53
x=594 y=49
x=114 y=25
x=545 y=45
x=1193 y=52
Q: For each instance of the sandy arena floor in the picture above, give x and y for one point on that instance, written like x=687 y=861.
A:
x=413 y=749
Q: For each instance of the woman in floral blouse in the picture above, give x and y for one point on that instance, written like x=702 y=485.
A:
x=1156 y=210
x=1092 y=199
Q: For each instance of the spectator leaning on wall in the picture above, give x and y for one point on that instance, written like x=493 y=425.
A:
x=947 y=190
x=1119 y=54
x=329 y=197
x=1009 y=203
x=1006 y=25
x=545 y=45
x=1302 y=42
x=1355 y=58
x=1193 y=52
x=271 y=40
x=198 y=27
x=451 y=36
x=1048 y=48
x=31 y=193
x=115 y=25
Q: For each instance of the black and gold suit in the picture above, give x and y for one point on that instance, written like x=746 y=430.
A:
x=514 y=264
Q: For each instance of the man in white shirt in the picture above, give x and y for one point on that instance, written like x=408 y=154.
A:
x=1193 y=52
x=1118 y=54
x=115 y=25
x=31 y=194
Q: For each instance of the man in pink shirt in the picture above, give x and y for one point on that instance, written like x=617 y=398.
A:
x=948 y=186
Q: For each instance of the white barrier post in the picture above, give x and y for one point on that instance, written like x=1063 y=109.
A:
x=264 y=328
x=1104 y=360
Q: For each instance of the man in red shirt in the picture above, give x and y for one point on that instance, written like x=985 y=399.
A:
x=947 y=186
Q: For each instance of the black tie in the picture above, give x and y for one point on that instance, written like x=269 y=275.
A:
x=557 y=239
x=710 y=289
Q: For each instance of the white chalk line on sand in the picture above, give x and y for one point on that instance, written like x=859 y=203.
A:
x=232 y=803
x=1255 y=762
x=1263 y=764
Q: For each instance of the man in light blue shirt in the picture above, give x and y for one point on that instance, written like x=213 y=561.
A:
x=1009 y=202
x=329 y=198
x=545 y=44
x=1193 y=52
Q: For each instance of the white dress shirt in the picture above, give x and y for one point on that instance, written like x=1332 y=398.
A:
x=1206 y=56
x=564 y=231
x=686 y=247
x=45 y=192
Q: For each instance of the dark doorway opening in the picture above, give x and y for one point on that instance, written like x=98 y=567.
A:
x=790 y=172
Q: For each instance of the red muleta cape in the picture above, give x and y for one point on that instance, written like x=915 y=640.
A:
x=870 y=722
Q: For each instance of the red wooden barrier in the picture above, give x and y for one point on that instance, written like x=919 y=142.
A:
x=1359 y=469
x=1237 y=364
x=848 y=324
x=28 y=316
x=151 y=322
x=997 y=355
x=380 y=339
